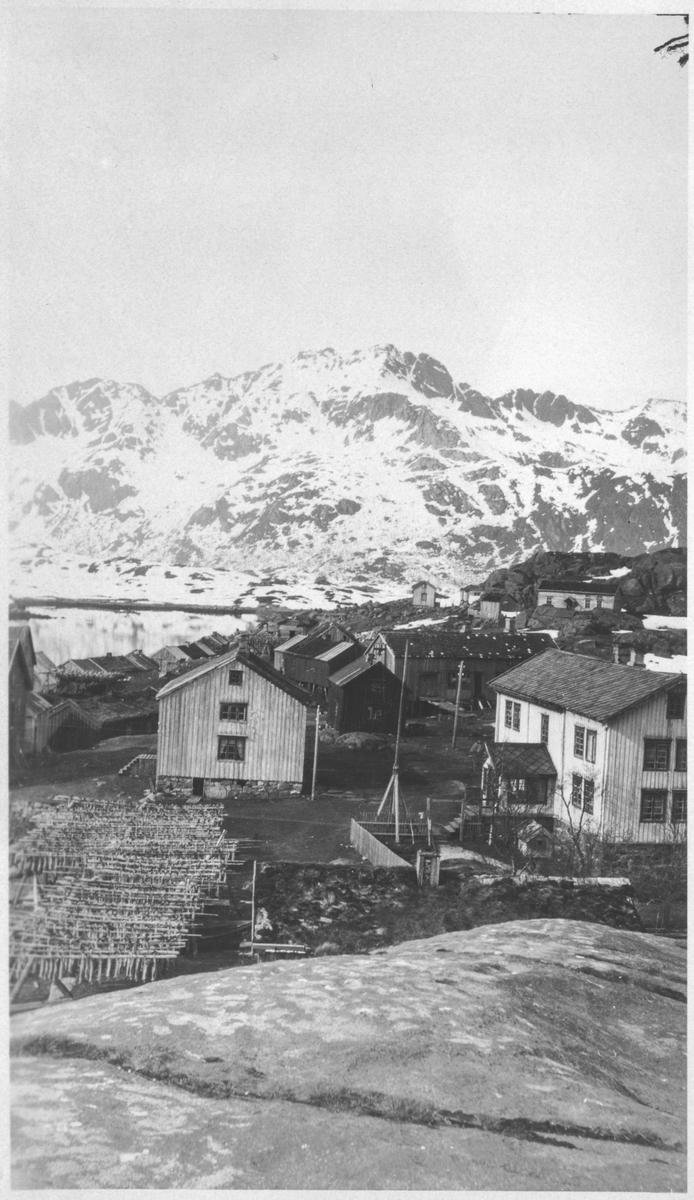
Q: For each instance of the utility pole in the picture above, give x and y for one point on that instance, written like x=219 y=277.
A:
x=457 y=703
x=315 y=755
x=394 y=782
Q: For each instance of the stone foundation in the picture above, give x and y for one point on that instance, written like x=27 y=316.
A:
x=229 y=789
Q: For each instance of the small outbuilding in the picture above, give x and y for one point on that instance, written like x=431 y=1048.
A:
x=424 y=594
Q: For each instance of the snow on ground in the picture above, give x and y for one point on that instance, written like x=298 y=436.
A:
x=654 y=662
x=418 y=624
x=664 y=622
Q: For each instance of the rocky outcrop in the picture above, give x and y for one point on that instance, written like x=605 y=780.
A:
x=514 y=1056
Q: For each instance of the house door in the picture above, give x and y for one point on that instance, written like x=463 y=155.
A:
x=198 y=786
x=428 y=683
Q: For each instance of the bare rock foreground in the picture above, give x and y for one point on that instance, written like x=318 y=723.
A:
x=530 y=1055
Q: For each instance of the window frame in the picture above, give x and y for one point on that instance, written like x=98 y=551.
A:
x=579 y=738
x=576 y=790
x=651 y=817
x=239 y=704
x=544 y=728
x=589 y=796
x=224 y=739
x=676 y=699
x=679 y=817
x=648 y=744
x=235 y=678
x=591 y=745
x=681 y=754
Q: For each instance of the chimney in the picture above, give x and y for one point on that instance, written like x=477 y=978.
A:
x=509 y=623
x=615 y=653
x=635 y=658
x=243 y=641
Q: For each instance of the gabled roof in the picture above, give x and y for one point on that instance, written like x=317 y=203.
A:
x=175 y=652
x=452 y=643
x=424 y=583
x=245 y=658
x=143 y=661
x=292 y=642
x=521 y=760
x=20 y=635
x=360 y=666
x=37 y=704
x=597 y=587
x=588 y=686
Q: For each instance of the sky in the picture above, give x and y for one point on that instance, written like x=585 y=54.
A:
x=200 y=190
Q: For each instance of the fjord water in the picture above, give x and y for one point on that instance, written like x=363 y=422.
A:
x=81 y=632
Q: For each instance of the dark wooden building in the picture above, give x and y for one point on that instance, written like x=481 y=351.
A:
x=21 y=659
x=434 y=657
x=303 y=658
x=233 y=726
x=364 y=696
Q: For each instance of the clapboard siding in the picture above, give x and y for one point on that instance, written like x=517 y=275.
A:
x=190 y=725
x=626 y=776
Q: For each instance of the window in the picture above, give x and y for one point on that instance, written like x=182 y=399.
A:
x=588 y=602
x=576 y=790
x=653 y=807
x=679 y=806
x=452 y=679
x=656 y=754
x=544 y=727
x=374 y=714
x=512 y=714
x=235 y=678
x=675 y=705
x=598 y=602
x=579 y=740
x=230 y=711
x=591 y=744
x=377 y=689
x=588 y=795
x=681 y=754
x=231 y=749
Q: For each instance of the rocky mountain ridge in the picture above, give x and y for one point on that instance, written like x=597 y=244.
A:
x=374 y=466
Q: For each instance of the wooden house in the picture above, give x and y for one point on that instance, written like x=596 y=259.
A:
x=172 y=658
x=297 y=658
x=59 y=725
x=434 y=657
x=577 y=593
x=495 y=606
x=364 y=696
x=21 y=660
x=233 y=726
x=616 y=738
x=424 y=594
x=471 y=594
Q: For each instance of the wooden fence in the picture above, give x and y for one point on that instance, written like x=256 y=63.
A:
x=370 y=847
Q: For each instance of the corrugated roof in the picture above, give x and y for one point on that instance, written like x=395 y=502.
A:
x=245 y=658
x=595 y=586
x=293 y=641
x=520 y=760
x=452 y=643
x=334 y=651
x=589 y=686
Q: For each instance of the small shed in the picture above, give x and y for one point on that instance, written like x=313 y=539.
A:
x=424 y=594
x=364 y=696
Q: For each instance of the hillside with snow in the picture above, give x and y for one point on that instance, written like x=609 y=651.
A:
x=353 y=474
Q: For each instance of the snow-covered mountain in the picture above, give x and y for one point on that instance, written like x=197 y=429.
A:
x=369 y=469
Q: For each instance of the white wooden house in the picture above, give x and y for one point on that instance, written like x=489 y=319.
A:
x=471 y=594
x=424 y=594
x=612 y=742
x=577 y=593
x=232 y=726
